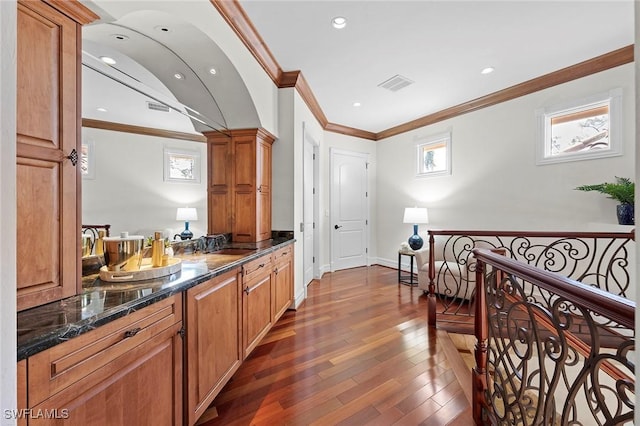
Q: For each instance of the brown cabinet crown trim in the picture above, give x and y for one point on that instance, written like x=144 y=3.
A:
x=238 y=20
x=73 y=9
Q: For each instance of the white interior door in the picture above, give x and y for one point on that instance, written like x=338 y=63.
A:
x=349 y=210
x=308 y=208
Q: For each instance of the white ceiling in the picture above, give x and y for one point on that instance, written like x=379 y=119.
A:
x=441 y=45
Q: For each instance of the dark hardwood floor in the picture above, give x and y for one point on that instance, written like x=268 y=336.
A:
x=357 y=352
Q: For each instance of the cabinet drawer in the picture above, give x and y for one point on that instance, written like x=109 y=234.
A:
x=256 y=268
x=283 y=254
x=57 y=368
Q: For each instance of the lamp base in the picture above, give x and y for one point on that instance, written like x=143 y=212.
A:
x=415 y=241
x=186 y=234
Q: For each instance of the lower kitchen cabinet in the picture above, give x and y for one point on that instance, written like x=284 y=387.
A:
x=22 y=390
x=257 y=316
x=213 y=340
x=123 y=373
x=282 y=281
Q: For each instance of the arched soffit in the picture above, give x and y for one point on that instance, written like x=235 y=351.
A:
x=166 y=46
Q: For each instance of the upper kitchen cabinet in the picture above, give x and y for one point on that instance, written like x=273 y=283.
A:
x=240 y=184
x=48 y=128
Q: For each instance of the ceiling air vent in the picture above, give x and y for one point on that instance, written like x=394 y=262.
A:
x=395 y=83
x=158 y=107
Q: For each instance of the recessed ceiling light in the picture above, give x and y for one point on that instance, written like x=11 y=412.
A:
x=120 y=37
x=487 y=70
x=213 y=71
x=101 y=109
x=357 y=104
x=178 y=76
x=162 y=29
x=339 y=22
x=108 y=60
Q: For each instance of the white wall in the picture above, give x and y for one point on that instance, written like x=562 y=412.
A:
x=8 y=398
x=282 y=167
x=348 y=143
x=129 y=191
x=495 y=183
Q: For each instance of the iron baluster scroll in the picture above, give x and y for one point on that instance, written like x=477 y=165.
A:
x=565 y=359
x=594 y=258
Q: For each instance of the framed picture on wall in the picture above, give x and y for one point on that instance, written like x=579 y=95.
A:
x=434 y=156
x=87 y=160
x=181 y=165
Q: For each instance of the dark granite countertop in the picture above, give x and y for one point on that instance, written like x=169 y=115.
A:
x=45 y=326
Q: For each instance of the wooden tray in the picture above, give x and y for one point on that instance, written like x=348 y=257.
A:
x=146 y=271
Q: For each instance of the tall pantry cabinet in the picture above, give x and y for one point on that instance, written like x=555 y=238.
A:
x=48 y=137
x=239 y=190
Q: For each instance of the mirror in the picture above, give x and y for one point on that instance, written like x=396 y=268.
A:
x=143 y=152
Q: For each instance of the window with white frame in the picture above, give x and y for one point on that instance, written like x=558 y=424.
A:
x=434 y=156
x=581 y=129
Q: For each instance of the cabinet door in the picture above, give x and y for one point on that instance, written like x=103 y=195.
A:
x=256 y=311
x=283 y=286
x=47 y=128
x=245 y=188
x=219 y=185
x=213 y=344
x=263 y=201
x=22 y=390
x=147 y=391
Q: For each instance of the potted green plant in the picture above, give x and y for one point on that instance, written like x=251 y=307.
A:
x=623 y=191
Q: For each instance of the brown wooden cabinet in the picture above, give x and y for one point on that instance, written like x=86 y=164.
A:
x=213 y=340
x=128 y=371
x=240 y=184
x=22 y=390
x=282 y=281
x=48 y=125
x=257 y=315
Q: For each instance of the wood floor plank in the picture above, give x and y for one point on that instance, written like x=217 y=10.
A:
x=357 y=352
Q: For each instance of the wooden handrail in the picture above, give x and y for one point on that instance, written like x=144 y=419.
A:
x=598 y=302
x=535 y=234
x=614 y=307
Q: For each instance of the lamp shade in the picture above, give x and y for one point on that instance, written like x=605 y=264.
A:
x=416 y=215
x=187 y=213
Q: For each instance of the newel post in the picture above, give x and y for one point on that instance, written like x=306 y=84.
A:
x=431 y=299
x=481 y=324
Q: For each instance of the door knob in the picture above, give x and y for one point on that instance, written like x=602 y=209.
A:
x=337 y=226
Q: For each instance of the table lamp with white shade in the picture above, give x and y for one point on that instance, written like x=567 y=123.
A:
x=187 y=214
x=415 y=216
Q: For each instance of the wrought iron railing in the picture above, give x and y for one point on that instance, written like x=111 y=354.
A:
x=550 y=350
x=597 y=259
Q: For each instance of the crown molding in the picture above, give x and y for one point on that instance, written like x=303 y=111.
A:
x=591 y=66
x=296 y=79
x=148 y=131
x=237 y=18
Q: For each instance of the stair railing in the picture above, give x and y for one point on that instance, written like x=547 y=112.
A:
x=550 y=350
x=599 y=259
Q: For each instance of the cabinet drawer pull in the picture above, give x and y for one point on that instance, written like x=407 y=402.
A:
x=247 y=290
x=132 y=332
x=276 y=271
x=261 y=265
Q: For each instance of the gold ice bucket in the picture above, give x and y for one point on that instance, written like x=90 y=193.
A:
x=123 y=253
